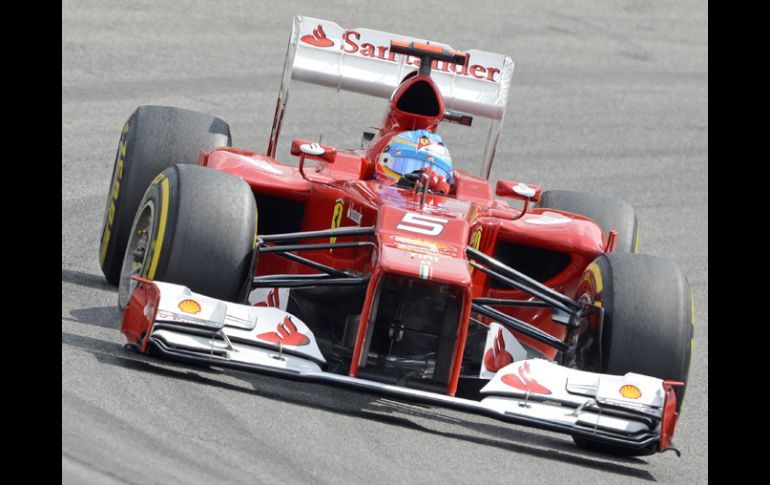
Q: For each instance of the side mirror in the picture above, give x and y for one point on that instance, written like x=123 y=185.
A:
x=518 y=190
x=313 y=150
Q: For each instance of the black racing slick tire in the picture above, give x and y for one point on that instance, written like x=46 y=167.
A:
x=195 y=227
x=153 y=139
x=648 y=318
x=610 y=213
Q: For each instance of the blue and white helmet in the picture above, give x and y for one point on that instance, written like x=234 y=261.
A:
x=414 y=150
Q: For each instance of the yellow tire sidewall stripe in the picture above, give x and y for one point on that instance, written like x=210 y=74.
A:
x=160 y=234
x=636 y=241
x=593 y=277
x=692 y=309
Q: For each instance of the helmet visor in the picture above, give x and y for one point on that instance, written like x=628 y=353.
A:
x=405 y=165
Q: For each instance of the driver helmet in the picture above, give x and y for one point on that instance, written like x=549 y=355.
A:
x=413 y=150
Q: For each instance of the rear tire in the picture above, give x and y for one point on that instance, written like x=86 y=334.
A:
x=648 y=320
x=153 y=139
x=610 y=213
x=195 y=227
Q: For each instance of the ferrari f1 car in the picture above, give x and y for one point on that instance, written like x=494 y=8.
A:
x=537 y=311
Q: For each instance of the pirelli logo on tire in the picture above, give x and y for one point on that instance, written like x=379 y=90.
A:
x=112 y=196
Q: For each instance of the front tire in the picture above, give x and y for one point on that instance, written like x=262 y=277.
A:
x=195 y=227
x=648 y=319
x=153 y=139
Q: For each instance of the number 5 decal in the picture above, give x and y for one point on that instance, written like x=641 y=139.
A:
x=422 y=224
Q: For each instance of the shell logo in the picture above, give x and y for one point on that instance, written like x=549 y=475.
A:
x=190 y=306
x=630 y=392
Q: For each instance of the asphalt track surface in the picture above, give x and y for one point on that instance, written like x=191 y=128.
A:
x=608 y=96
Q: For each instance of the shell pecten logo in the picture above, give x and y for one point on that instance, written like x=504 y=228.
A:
x=630 y=392
x=190 y=306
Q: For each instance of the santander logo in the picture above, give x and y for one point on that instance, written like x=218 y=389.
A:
x=523 y=381
x=351 y=44
x=497 y=357
x=273 y=299
x=318 y=38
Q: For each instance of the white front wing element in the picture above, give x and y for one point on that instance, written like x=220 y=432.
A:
x=546 y=380
x=272 y=297
x=623 y=410
x=242 y=333
x=501 y=349
x=539 y=387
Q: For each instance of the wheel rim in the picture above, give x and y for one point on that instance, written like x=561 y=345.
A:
x=135 y=259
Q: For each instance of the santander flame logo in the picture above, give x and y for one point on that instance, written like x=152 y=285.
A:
x=273 y=299
x=497 y=357
x=523 y=381
x=318 y=38
x=286 y=333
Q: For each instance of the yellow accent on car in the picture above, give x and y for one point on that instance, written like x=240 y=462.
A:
x=157 y=241
x=630 y=392
x=190 y=306
x=336 y=220
x=475 y=243
x=403 y=141
x=476 y=239
x=390 y=172
x=594 y=270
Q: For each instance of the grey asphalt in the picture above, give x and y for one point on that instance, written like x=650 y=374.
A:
x=608 y=96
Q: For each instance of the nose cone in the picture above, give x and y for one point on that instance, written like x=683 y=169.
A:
x=423 y=246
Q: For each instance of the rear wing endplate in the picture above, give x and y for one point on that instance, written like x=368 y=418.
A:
x=359 y=60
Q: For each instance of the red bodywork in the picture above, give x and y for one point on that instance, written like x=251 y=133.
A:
x=406 y=244
x=140 y=313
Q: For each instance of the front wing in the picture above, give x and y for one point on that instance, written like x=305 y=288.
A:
x=632 y=411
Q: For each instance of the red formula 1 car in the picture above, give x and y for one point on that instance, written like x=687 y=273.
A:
x=385 y=268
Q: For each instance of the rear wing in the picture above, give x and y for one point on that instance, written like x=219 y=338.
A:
x=359 y=60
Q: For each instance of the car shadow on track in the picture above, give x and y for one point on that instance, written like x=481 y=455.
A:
x=106 y=317
x=86 y=279
x=365 y=405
